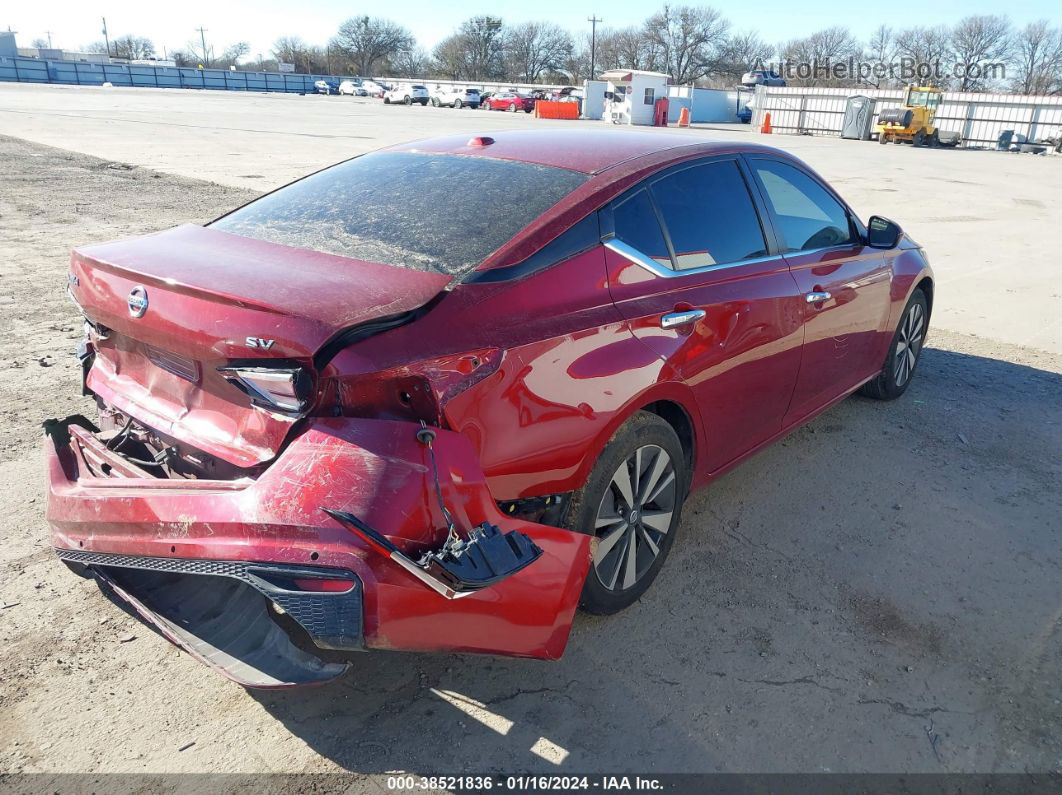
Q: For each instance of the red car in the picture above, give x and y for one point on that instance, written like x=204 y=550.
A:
x=360 y=413
x=509 y=101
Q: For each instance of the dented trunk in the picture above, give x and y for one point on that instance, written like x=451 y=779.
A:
x=172 y=316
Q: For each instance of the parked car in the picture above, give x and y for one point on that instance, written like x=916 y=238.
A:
x=762 y=77
x=483 y=97
x=374 y=88
x=407 y=94
x=451 y=97
x=510 y=101
x=280 y=469
x=352 y=89
x=326 y=87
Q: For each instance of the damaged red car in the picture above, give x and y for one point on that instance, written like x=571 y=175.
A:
x=381 y=409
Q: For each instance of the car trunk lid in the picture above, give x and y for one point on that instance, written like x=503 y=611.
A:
x=170 y=309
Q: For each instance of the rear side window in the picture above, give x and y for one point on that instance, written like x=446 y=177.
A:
x=709 y=215
x=636 y=225
x=406 y=208
x=808 y=217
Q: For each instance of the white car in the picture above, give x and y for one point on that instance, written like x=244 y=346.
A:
x=453 y=97
x=407 y=94
x=352 y=89
x=373 y=88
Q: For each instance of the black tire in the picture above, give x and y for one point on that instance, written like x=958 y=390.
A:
x=919 y=138
x=882 y=138
x=893 y=379
x=435 y=102
x=387 y=100
x=512 y=107
x=407 y=101
x=641 y=439
x=457 y=104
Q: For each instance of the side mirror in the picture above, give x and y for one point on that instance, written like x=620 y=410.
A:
x=882 y=233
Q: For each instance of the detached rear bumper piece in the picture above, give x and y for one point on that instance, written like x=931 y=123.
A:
x=215 y=611
x=161 y=542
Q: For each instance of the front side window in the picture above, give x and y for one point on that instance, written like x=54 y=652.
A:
x=709 y=215
x=400 y=208
x=808 y=217
x=636 y=225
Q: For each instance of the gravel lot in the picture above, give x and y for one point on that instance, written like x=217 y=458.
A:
x=877 y=592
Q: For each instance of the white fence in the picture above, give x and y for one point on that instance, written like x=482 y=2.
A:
x=978 y=118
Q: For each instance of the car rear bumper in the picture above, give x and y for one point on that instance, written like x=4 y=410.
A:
x=110 y=518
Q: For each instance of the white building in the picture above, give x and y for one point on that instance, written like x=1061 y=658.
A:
x=631 y=95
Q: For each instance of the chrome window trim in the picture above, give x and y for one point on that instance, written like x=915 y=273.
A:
x=638 y=258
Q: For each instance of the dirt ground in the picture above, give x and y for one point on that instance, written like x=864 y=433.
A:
x=877 y=592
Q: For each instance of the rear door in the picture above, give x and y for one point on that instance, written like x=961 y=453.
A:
x=691 y=266
x=844 y=284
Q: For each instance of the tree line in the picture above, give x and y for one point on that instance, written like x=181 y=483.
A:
x=692 y=44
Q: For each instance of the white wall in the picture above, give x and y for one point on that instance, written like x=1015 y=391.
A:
x=979 y=117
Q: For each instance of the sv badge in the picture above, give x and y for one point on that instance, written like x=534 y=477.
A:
x=258 y=342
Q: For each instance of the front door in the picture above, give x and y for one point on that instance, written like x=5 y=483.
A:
x=844 y=284
x=690 y=268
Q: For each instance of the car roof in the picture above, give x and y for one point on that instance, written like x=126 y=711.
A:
x=587 y=151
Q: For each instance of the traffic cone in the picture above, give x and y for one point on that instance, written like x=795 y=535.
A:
x=684 y=117
x=766 y=128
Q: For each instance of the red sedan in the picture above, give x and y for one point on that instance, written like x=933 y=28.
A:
x=359 y=412
x=511 y=102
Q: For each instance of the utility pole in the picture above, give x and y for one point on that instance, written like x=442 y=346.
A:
x=202 y=39
x=593 y=42
x=106 y=40
x=49 y=38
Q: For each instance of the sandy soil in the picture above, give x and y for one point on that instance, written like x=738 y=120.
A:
x=877 y=592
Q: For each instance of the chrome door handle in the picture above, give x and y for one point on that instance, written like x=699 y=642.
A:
x=817 y=297
x=673 y=319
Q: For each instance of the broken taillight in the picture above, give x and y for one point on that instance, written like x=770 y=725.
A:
x=285 y=389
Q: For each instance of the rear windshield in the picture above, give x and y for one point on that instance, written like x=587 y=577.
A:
x=428 y=212
x=421 y=88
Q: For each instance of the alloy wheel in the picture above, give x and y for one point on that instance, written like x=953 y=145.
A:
x=634 y=516
x=908 y=344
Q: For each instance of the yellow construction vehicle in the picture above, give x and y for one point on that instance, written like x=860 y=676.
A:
x=915 y=122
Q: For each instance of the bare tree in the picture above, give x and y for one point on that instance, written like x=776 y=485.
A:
x=688 y=40
x=449 y=57
x=370 y=41
x=534 y=48
x=821 y=58
x=880 y=52
x=976 y=42
x=483 y=40
x=411 y=61
x=741 y=53
x=1037 y=59
x=923 y=54
x=40 y=44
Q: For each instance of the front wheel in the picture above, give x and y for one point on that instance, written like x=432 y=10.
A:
x=512 y=107
x=904 y=352
x=435 y=102
x=407 y=101
x=632 y=503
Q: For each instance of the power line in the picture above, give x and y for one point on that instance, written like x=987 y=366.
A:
x=593 y=42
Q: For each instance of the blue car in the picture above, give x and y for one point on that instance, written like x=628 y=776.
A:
x=326 y=87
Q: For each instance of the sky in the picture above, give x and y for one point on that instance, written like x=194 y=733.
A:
x=173 y=25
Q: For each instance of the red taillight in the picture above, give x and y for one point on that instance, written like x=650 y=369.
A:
x=323 y=586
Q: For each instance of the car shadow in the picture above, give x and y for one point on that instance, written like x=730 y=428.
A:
x=835 y=603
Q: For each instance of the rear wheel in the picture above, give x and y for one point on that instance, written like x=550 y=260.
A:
x=632 y=503
x=457 y=104
x=883 y=138
x=919 y=138
x=904 y=352
x=407 y=101
x=512 y=107
x=435 y=102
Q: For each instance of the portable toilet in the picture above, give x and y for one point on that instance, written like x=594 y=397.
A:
x=858 y=118
x=631 y=95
